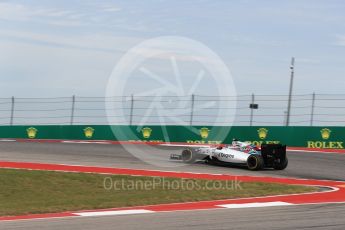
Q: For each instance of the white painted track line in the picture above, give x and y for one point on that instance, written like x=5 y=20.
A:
x=255 y=205
x=86 y=142
x=113 y=213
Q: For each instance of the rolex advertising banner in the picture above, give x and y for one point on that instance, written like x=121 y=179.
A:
x=311 y=137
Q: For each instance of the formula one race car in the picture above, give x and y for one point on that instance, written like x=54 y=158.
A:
x=238 y=153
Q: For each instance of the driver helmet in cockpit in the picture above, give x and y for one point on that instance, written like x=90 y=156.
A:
x=235 y=142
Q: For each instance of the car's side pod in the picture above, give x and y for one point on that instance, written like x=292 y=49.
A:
x=273 y=154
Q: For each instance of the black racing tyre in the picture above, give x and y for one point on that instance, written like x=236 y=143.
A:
x=255 y=162
x=188 y=155
x=281 y=165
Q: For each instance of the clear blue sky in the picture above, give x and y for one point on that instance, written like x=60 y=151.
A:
x=60 y=48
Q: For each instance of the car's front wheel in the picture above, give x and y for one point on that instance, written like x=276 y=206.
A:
x=188 y=155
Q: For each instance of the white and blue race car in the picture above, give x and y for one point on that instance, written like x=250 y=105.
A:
x=238 y=153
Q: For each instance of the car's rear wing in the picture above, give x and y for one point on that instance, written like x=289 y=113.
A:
x=272 y=153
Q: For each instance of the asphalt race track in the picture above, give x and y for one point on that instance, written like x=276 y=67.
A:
x=302 y=165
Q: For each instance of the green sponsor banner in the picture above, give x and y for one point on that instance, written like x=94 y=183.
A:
x=312 y=137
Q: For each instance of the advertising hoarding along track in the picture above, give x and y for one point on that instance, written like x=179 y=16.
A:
x=297 y=136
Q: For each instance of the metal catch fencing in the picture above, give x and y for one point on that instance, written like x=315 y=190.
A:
x=306 y=110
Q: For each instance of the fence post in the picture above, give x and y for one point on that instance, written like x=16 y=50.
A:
x=292 y=67
x=312 y=110
x=72 y=109
x=131 y=110
x=192 y=111
x=252 y=111
x=285 y=117
x=12 y=110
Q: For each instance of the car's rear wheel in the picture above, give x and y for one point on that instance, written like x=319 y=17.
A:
x=255 y=162
x=281 y=165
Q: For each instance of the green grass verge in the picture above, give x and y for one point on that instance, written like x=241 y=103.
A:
x=28 y=192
